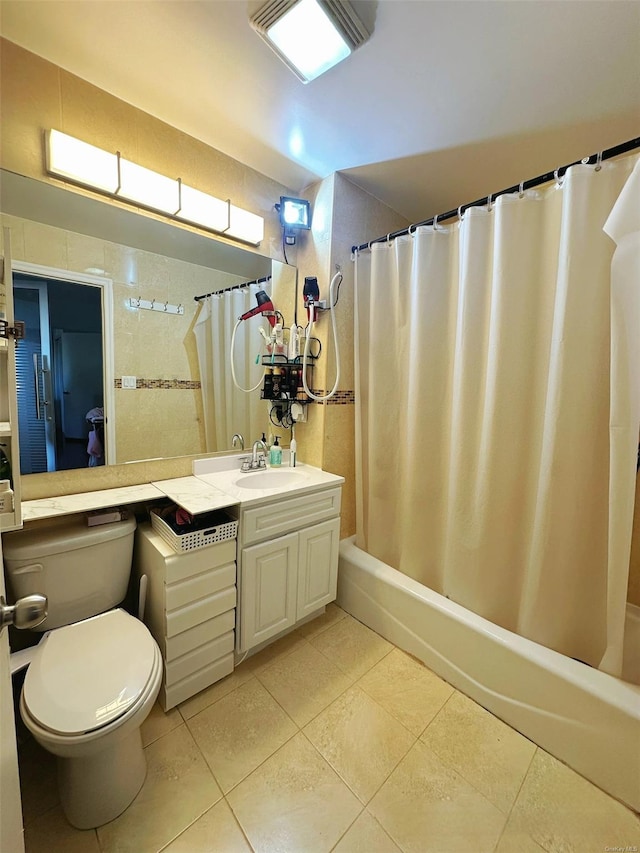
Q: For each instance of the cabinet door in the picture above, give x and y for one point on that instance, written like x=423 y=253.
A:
x=317 y=566
x=268 y=589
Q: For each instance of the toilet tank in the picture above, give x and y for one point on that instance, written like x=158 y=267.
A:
x=82 y=570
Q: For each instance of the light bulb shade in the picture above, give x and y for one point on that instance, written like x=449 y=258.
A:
x=245 y=226
x=310 y=36
x=202 y=209
x=80 y=162
x=148 y=188
x=294 y=213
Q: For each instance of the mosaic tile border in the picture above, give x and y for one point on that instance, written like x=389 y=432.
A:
x=340 y=398
x=172 y=384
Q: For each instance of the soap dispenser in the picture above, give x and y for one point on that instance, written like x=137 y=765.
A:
x=275 y=454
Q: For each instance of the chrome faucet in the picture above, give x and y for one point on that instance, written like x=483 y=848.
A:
x=237 y=439
x=256 y=463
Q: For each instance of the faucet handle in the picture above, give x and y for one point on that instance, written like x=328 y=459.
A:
x=245 y=463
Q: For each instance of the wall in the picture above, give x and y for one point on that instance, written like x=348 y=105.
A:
x=344 y=215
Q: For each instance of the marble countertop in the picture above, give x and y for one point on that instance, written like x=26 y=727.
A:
x=193 y=494
x=84 y=501
x=216 y=483
x=294 y=482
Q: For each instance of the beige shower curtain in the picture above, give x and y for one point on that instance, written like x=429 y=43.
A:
x=483 y=406
x=228 y=410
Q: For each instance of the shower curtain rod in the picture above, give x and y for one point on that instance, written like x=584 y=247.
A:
x=623 y=148
x=233 y=287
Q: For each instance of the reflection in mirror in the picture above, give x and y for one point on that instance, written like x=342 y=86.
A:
x=59 y=374
x=157 y=402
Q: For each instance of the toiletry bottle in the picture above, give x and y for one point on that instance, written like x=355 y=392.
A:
x=293 y=451
x=294 y=343
x=5 y=466
x=6 y=496
x=275 y=454
x=280 y=348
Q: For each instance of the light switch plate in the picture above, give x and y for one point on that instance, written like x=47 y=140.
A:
x=128 y=381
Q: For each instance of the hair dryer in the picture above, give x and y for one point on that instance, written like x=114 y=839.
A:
x=264 y=305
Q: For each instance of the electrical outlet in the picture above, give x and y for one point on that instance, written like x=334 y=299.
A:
x=128 y=381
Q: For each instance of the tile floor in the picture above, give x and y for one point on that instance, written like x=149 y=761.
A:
x=332 y=739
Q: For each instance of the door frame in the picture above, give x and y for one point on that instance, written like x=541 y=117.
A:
x=106 y=287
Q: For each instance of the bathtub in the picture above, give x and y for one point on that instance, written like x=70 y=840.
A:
x=584 y=717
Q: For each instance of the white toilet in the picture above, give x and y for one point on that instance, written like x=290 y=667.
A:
x=93 y=679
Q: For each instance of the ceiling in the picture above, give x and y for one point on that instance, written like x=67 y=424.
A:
x=449 y=100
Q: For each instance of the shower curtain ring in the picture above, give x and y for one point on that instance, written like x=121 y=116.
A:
x=559 y=180
x=598 y=161
x=490 y=202
x=435 y=222
x=388 y=237
x=460 y=213
x=409 y=232
x=521 y=189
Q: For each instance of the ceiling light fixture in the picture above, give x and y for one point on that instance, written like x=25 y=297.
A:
x=84 y=164
x=310 y=36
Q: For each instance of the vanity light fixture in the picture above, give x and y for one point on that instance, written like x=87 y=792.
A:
x=310 y=36
x=295 y=215
x=81 y=163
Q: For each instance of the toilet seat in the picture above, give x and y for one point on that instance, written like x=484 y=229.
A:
x=86 y=675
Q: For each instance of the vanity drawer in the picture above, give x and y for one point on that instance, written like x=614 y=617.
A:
x=180 y=566
x=203 y=633
x=199 y=611
x=198 y=586
x=265 y=522
x=192 y=684
x=201 y=657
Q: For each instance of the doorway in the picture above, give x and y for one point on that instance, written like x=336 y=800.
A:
x=59 y=371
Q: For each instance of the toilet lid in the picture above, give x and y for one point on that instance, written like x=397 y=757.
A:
x=86 y=675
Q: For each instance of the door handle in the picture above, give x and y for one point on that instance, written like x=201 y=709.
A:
x=36 y=379
x=27 y=612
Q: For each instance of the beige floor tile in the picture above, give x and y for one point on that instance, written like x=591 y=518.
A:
x=179 y=788
x=277 y=651
x=304 y=683
x=565 y=813
x=51 y=833
x=217 y=831
x=406 y=689
x=38 y=780
x=351 y=646
x=515 y=841
x=159 y=723
x=294 y=802
x=240 y=731
x=366 y=836
x=426 y=807
x=332 y=614
x=487 y=752
x=360 y=740
x=209 y=695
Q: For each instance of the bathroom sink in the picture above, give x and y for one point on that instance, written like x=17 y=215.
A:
x=271 y=479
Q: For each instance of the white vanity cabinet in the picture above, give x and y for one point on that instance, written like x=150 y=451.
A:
x=190 y=610
x=288 y=563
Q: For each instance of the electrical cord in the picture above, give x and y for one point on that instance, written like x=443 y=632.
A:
x=318 y=397
x=233 y=367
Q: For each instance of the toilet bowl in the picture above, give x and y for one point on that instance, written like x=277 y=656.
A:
x=86 y=693
x=94 y=677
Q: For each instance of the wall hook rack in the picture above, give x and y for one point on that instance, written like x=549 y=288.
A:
x=153 y=305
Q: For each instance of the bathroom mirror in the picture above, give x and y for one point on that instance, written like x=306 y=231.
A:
x=152 y=264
